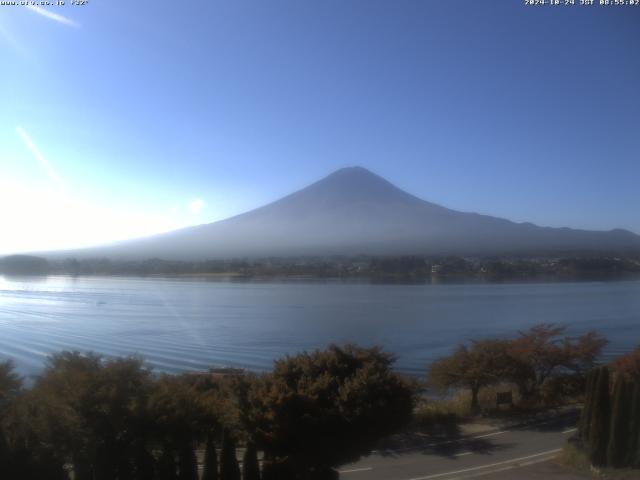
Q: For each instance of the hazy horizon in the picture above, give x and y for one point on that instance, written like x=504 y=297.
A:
x=124 y=120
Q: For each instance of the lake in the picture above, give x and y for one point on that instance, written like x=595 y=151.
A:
x=192 y=324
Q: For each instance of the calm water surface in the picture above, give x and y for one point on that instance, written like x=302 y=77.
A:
x=192 y=324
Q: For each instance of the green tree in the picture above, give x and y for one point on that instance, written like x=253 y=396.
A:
x=167 y=469
x=633 y=453
x=143 y=462
x=619 y=425
x=478 y=365
x=10 y=384
x=29 y=451
x=318 y=410
x=598 y=439
x=587 y=409
x=276 y=469
x=250 y=466
x=10 y=387
x=229 y=468
x=187 y=463
x=210 y=460
x=92 y=411
x=174 y=406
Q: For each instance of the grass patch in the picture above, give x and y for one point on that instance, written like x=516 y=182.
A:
x=573 y=457
x=442 y=412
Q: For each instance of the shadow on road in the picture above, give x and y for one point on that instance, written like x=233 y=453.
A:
x=451 y=448
x=450 y=442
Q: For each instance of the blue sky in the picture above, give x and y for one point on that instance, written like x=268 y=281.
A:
x=120 y=119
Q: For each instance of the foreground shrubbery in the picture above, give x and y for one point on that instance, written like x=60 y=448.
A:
x=115 y=420
x=609 y=429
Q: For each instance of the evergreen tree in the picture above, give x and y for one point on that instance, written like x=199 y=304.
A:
x=5 y=455
x=599 y=425
x=82 y=469
x=49 y=466
x=229 y=469
x=272 y=469
x=143 y=463
x=250 y=466
x=268 y=469
x=124 y=470
x=188 y=463
x=633 y=445
x=619 y=423
x=167 y=465
x=633 y=452
x=585 y=416
x=210 y=461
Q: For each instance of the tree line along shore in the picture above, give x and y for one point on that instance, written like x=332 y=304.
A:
x=383 y=267
x=90 y=417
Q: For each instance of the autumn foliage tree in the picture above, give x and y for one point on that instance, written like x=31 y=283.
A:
x=95 y=411
x=532 y=359
x=544 y=350
x=629 y=364
x=474 y=366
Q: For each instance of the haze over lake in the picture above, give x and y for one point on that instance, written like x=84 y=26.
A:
x=192 y=324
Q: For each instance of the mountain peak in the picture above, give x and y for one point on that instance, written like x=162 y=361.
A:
x=355 y=184
x=352 y=171
x=354 y=211
x=355 y=173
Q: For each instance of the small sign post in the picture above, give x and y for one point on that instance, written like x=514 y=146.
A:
x=504 y=398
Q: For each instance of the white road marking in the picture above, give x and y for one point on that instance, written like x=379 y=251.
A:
x=354 y=470
x=463 y=454
x=504 y=469
x=570 y=430
x=482 y=467
x=491 y=434
x=458 y=440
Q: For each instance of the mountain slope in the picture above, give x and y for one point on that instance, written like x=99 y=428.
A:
x=353 y=211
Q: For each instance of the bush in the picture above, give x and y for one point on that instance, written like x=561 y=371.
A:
x=325 y=408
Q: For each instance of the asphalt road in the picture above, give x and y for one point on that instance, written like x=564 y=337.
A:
x=498 y=454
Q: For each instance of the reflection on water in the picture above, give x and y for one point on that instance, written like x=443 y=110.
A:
x=191 y=324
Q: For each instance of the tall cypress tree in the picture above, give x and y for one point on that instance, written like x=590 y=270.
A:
x=210 y=461
x=633 y=453
x=585 y=416
x=250 y=466
x=43 y=464
x=82 y=469
x=229 y=469
x=5 y=454
x=167 y=465
x=634 y=423
x=143 y=463
x=269 y=469
x=599 y=425
x=619 y=424
x=187 y=463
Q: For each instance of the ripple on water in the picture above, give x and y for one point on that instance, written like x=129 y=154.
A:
x=190 y=325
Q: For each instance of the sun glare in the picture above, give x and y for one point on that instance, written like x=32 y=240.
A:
x=45 y=219
x=195 y=206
